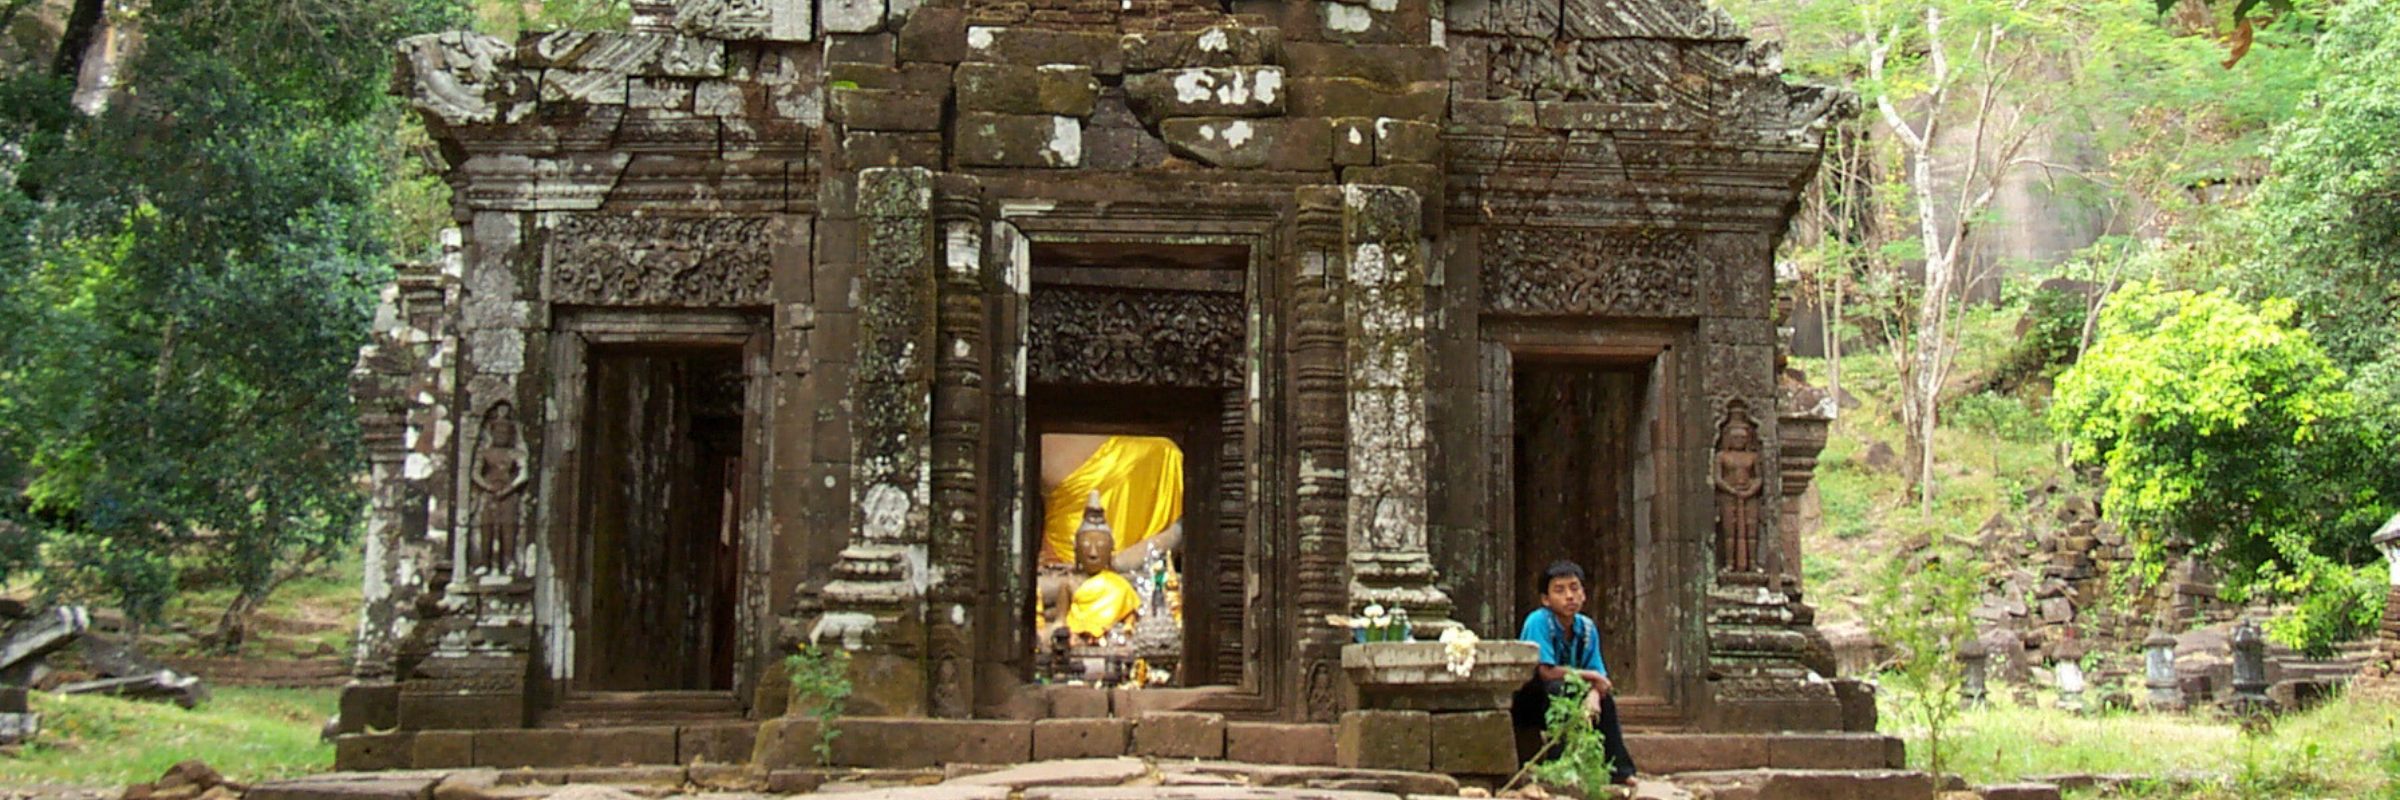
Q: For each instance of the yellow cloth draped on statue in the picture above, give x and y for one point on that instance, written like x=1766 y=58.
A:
x=1100 y=603
x=1140 y=481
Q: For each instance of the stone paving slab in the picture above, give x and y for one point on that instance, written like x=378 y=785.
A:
x=1392 y=781
x=936 y=792
x=1802 y=784
x=1200 y=793
x=1080 y=772
x=348 y=787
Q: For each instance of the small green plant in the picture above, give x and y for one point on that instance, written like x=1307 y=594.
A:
x=1920 y=606
x=820 y=689
x=1582 y=752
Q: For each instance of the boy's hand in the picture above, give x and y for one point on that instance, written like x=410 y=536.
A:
x=1600 y=684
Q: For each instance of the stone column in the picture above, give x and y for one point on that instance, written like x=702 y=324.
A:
x=1321 y=453
x=874 y=604
x=1383 y=308
x=961 y=406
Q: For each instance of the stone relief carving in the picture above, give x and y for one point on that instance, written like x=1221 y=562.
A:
x=1086 y=336
x=1740 y=485
x=652 y=261
x=499 y=479
x=1581 y=271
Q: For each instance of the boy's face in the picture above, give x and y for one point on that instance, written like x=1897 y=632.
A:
x=1563 y=595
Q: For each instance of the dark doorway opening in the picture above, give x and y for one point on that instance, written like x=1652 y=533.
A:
x=660 y=559
x=1585 y=487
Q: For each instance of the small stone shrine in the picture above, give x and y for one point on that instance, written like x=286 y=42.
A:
x=778 y=321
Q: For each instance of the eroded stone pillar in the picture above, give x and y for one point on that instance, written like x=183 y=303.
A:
x=1321 y=450
x=1383 y=310
x=874 y=605
x=961 y=407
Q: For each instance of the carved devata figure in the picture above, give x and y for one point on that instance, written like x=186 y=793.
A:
x=1739 y=485
x=499 y=479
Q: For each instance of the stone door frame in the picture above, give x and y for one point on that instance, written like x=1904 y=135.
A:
x=1255 y=226
x=560 y=599
x=1664 y=581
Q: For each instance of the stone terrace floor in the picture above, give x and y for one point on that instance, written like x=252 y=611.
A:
x=1090 y=779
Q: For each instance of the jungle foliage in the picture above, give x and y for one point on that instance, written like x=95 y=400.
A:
x=186 y=274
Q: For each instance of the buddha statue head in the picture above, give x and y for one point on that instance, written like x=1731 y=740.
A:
x=1095 y=542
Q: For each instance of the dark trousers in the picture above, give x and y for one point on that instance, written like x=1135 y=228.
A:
x=1532 y=702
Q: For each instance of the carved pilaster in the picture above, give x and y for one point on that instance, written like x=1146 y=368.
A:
x=962 y=404
x=1805 y=414
x=1320 y=443
x=1383 y=308
x=874 y=603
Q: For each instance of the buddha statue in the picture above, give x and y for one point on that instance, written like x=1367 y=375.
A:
x=1094 y=599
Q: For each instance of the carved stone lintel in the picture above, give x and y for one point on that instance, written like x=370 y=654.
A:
x=1582 y=272
x=705 y=262
x=1101 y=337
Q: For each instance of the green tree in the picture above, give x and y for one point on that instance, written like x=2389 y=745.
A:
x=2324 y=229
x=2221 y=427
x=201 y=258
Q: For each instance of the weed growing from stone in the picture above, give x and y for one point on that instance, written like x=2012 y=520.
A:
x=820 y=690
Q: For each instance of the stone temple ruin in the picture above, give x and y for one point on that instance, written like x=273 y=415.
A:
x=776 y=321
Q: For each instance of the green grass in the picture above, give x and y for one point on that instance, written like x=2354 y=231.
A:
x=2347 y=747
x=247 y=734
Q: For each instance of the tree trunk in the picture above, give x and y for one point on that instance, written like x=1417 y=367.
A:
x=83 y=25
x=233 y=628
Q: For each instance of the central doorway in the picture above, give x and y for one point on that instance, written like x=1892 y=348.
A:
x=1586 y=489
x=662 y=496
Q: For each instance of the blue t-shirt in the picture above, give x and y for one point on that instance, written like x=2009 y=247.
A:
x=1575 y=649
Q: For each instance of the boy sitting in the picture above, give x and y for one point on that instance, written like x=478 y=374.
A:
x=1570 y=642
